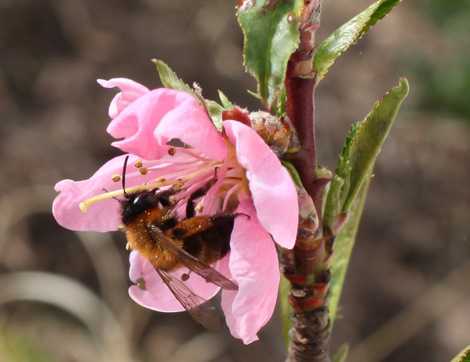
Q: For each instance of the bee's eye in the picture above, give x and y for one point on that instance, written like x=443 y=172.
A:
x=139 y=199
x=144 y=200
x=137 y=204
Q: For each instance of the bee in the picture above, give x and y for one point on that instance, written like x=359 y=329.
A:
x=152 y=228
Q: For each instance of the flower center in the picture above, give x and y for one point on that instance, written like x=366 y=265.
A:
x=185 y=171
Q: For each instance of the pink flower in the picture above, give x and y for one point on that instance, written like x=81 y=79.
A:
x=249 y=180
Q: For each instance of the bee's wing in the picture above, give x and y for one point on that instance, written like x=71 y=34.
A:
x=192 y=263
x=203 y=311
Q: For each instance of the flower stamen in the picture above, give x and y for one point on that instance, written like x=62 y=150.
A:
x=229 y=193
x=160 y=182
x=129 y=190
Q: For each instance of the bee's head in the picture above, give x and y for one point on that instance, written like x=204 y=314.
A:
x=137 y=203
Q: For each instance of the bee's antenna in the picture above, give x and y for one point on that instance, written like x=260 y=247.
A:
x=126 y=195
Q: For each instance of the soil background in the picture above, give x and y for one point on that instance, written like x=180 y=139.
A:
x=64 y=295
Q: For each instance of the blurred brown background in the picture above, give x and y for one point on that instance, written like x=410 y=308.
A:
x=63 y=296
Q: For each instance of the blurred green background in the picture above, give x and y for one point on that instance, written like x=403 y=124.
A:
x=63 y=295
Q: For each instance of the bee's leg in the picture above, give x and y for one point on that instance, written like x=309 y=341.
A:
x=164 y=197
x=190 y=207
x=186 y=276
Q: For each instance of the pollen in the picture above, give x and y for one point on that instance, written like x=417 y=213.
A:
x=161 y=179
x=140 y=283
x=138 y=164
x=116 y=177
x=143 y=170
x=199 y=207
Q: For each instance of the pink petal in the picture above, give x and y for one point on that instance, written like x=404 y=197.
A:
x=103 y=215
x=137 y=122
x=254 y=266
x=273 y=191
x=130 y=91
x=156 y=294
x=189 y=123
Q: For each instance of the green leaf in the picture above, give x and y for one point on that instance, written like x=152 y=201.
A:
x=292 y=172
x=342 y=353
x=215 y=111
x=463 y=356
x=285 y=307
x=348 y=189
x=280 y=105
x=225 y=101
x=334 y=203
x=342 y=251
x=348 y=34
x=170 y=80
x=271 y=35
x=251 y=93
x=369 y=137
x=339 y=185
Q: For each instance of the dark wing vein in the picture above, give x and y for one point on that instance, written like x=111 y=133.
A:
x=203 y=311
x=192 y=263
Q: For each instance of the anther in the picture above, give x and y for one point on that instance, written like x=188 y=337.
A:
x=143 y=170
x=171 y=151
x=116 y=177
x=121 y=227
x=140 y=283
x=138 y=164
x=199 y=207
x=128 y=246
x=161 y=179
x=184 y=277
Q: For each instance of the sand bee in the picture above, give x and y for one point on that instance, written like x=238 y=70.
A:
x=195 y=242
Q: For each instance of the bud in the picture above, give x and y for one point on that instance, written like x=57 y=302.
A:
x=278 y=133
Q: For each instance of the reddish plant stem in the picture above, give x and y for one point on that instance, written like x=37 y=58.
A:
x=301 y=110
x=306 y=267
x=310 y=337
x=300 y=106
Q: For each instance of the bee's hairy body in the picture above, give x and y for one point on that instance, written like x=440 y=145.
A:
x=168 y=243
x=205 y=237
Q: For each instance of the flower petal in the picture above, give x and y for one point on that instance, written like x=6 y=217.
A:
x=254 y=265
x=130 y=91
x=273 y=191
x=156 y=295
x=137 y=122
x=100 y=216
x=190 y=123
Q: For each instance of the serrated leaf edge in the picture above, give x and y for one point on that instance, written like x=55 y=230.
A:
x=373 y=8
